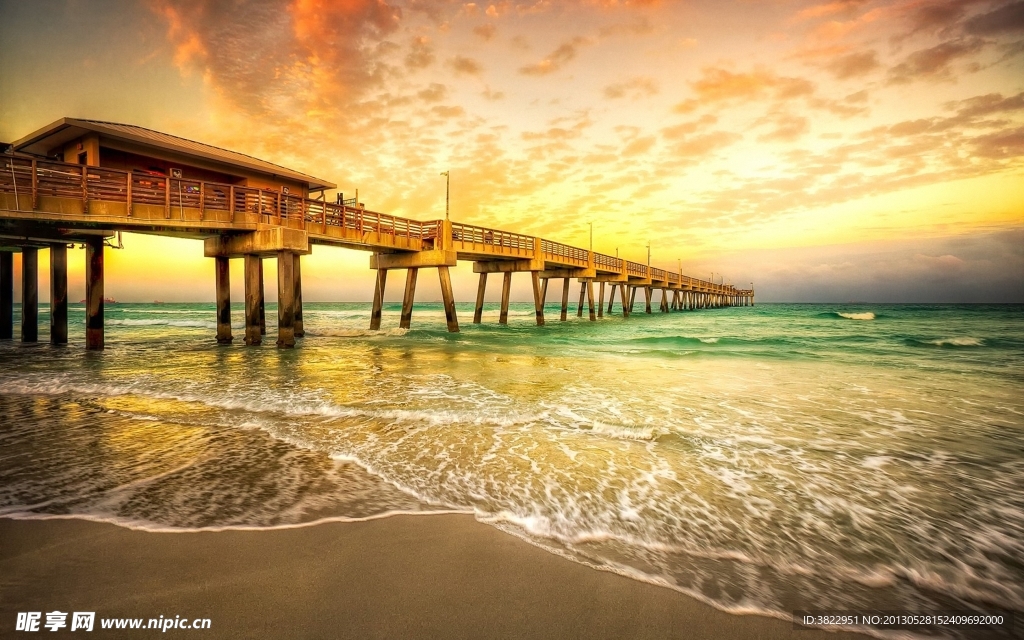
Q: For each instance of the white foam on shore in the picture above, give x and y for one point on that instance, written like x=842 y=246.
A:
x=867 y=315
x=150 y=527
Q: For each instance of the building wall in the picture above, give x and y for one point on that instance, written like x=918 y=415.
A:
x=118 y=154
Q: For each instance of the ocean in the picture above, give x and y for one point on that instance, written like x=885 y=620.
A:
x=765 y=460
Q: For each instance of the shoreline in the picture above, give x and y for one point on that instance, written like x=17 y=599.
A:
x=398 y=577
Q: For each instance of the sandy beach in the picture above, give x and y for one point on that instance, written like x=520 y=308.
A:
x=444 y=576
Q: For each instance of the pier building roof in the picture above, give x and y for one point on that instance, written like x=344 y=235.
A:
x=54 y=136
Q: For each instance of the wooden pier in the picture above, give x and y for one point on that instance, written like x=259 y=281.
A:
x=248 y=209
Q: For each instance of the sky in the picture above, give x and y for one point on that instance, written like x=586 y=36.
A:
x=821 y=150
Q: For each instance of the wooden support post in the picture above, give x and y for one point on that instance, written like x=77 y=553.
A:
x=627 y=304
x=478 y=310
x=253 y=299
x=35 y=188
x=167 y=197
x=410 y=294
x=58 y=294
x=583 y=292
x=611 y=297
x=6 y=295
x=600 y=301
x=664 y=300
x=94 y=339
x=223 y=283
x=544 y=291
x=647 y=297
x=538 y=298
x=285 y=299
x=565 y=299
x=129 y=179
x=300 y=329
x=378 y=299
x=29 y=294
x=85 y=188
x=632 y=299
x=262 y=301
x=506 y=291
x=449 y=299
x=590 y=300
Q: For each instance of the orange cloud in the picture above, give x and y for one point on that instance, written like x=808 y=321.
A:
x=935 y=62
x=421 y=54
x=485 y=31
x=635 y=88
x=465 y=66
x=854 y=65
x=554 y=61
x=829 y=8
x=721 y=85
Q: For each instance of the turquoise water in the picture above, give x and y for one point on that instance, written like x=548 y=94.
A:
x=763 y=459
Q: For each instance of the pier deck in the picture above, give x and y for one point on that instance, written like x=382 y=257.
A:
x=47 y=203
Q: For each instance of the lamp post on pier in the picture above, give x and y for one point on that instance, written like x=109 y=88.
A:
x=591 y=236
x=447 y=190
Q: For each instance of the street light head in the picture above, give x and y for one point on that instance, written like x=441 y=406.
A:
x=444 y=173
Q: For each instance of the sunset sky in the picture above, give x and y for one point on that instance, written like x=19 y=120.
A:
x=825 y=151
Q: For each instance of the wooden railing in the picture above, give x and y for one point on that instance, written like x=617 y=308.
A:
x=636 y=269
x=607 y=262
x=494 y=237
x=31 y=179
x=559 y=250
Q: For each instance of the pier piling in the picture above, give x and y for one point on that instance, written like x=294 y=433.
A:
x=590 y=300
x=449 y=298
x=481 y=288
x=565 y=300
x=378 y=299
x=300 y=330
x=94 y=338
x=253 y=299
x=600 y=300
x=647 y=298
x=410 y=293
x=29 y=294
x=285 y=299
x=58 y=294
x=223 y=284
x=6 y=295
x=262 y=300
x=538 y=298
x=506 y=291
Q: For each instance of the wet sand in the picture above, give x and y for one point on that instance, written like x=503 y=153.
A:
x=443 y=576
